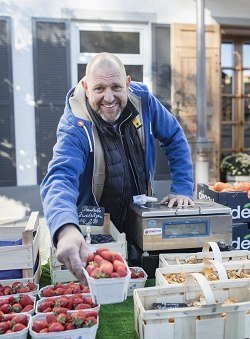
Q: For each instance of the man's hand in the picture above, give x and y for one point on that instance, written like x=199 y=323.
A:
x=179 y=200
x=72 y=250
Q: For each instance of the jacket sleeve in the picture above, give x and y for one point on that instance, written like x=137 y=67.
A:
x=59 y=188
x=168 y=131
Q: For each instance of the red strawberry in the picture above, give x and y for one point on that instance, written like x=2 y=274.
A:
x=69 y=326
x=90 y=257
x=107 y=255
x=32 y=286
x=115 y=275
x=6 y=308
x=116 y=256
x=24 y=289
x=82 y=306
x=97 y=273
x=8 y=317
x=91 y=314
x=50 y=318
x=106 y=268
x=56 y=327
x=44 y=330
x=38 y=325
x=18 y=327
x=17 y=284
x=58 y=310
x=19 y=319
x=62 y=301
x=25 y=300
x=121 y=271
x=76 y=289
x=117 y=264
x=78 y=319
x=48 y=292
x=7 y=290
x=59 y=291
x=4 y=326
x=99 y=250
x=68 y=290
x=17 y=308
x=136 y=272
x=45 y=304
x=91 y=321
x=61 y=318
x=28 y=308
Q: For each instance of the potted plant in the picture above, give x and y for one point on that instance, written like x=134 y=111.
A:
x=236 y=167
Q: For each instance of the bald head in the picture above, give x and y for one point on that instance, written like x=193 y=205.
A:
x=103 y=60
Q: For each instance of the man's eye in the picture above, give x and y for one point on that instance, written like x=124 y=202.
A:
x=99 y=89
x=117 y=88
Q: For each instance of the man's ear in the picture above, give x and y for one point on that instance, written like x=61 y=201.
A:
x=85 y=86
x=128 y=80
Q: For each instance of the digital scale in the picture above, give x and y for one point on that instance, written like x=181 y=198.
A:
x=155 y=227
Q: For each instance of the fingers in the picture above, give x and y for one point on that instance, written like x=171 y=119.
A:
x=177 y=200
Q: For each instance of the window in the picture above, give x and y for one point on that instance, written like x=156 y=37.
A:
x=235 y=83
x=127 y=41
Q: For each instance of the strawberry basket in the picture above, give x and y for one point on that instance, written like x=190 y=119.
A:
x=86 y=332
x=108 y=290
x=21 y=333
x=137 y=280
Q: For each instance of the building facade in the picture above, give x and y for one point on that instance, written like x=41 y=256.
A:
x=45 y=46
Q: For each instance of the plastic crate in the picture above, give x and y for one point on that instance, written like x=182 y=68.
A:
x=20 y=258
x=20 y=334
x=60 y=274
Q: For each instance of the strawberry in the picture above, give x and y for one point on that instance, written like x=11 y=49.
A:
x=90 y=257
x=76 y=289
x=117 y=264
x=59 y=291
x=82 y=306
x=98 y=259
x=68 y=290
x=136 y=272
x=32 y=286
x=106 y=268
x=100 y=249
x=44 y=330
x=4 y=326
x=121 y=271
x=90 y=267
x=16 y=285
x=24 y=289
x=18 y=327
x=1 y=315
x=28 y=308
x=25 y=300
x=90 y=321
x=6 y=308
x=8 y=317
x=58 y=310
x=116 y=256
x=48 y=292
x=50 y=318
x=62 y=301
x=17 y=308
x=38 y=325
x=56 y=327
x=45 y=304
x=19 y=319
x=97 y=273
x=7 y=290
x=69 y=326
x=61 y=318
x=115 y=275
x=107 y=255
x=78 y=319
x=91 y=314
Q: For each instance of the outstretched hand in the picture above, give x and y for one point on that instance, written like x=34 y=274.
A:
x=72 y=250
x=178 y=200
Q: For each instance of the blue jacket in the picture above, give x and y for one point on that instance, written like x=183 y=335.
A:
x=76 y=172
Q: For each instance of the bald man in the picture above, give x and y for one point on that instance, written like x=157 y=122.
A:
x=105 y=155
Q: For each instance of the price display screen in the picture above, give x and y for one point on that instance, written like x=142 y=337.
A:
x=176 y=229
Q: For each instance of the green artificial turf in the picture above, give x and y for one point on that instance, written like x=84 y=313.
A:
x=116 y=321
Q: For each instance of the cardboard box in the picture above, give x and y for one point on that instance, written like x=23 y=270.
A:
x=19 y=251
x=241 y=236
x=237 y=201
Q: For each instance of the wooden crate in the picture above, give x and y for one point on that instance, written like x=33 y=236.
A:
x=219 y=269
x=166 y=259
x=58 y=271
x=214 y=320
x=22 y=256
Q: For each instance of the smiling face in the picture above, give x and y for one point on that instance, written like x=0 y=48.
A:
x=106 y=87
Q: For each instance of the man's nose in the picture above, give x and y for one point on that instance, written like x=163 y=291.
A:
x=109 y=97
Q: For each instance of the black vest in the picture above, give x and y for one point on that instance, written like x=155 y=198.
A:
x=124 y=164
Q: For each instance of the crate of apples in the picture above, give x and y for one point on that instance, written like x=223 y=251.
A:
x=108 y=276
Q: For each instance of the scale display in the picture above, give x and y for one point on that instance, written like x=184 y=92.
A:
x=189 y=228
